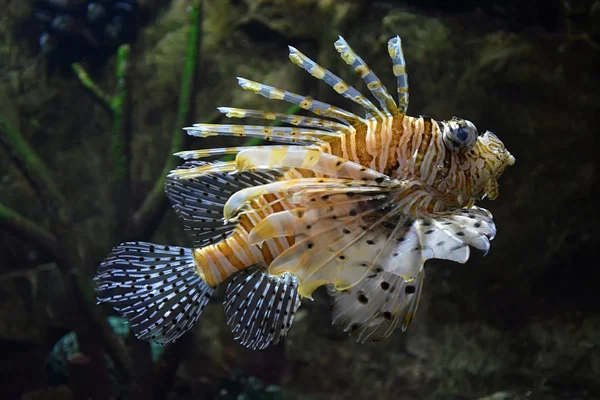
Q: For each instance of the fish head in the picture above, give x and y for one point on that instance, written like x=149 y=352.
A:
x=482 y=158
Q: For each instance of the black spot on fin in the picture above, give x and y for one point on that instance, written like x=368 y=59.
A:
x=392 y=301
x=199 y=201
x=155 y=287
x=260 y=308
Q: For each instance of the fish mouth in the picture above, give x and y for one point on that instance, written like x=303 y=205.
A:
x=510 y=161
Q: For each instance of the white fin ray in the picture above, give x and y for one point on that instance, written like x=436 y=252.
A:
x=292 y=119
x=373 y=83
x=199 y=201
x=260 y=308
x=445 y=236
x=334 y=81
x=296 y=190
x=399 y=68
x=305 y=102
x=340 y=251
x=375 y=307
x=278 y=134
x=315 y=160
x=202 y=169
x=155 y=287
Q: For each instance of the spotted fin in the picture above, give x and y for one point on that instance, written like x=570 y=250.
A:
x=199 y=200
x=376 y=305
x=339 y=237
x=155 y=287
x=445 y=236
x=299 y=190
x=260 y=308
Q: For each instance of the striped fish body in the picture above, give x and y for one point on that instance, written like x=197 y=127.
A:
x=357 y=204
x=217 y=262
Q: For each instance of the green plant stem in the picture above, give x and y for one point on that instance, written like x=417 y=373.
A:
x=15 y=222
x=120 y=145
x=31 y=165
x=121 y=141
x=87 y=82
x=147 y=217
x=88 y=319
x=120 y=107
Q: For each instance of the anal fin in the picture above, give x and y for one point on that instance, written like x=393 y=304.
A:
x=260 y=308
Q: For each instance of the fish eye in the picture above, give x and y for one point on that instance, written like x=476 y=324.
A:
x=459 y=135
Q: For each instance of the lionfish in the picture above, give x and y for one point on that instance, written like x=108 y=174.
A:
x=356 y=204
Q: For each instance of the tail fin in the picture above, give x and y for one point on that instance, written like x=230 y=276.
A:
x=155 y=287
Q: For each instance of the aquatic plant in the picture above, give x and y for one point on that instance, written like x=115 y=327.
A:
x=72 y=254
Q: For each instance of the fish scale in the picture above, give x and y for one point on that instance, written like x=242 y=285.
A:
x=355 y=203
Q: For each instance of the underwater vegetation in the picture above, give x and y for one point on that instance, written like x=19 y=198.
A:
x=84 y=158
x=94 y=334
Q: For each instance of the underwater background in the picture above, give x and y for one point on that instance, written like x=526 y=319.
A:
x=93 y=96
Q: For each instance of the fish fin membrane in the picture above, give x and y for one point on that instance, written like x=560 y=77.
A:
x=340 y=232
x=277 y=158
x=377 y=305
x=338 y=171
x=155 y=287
x=445 y=236
x=385 y=298
x=311 y=159
x=198 y=199
x=260 y=308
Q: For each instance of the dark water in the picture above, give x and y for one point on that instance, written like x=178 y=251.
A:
x=519 y=323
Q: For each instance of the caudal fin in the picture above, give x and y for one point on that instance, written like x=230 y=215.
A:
x=155 y=287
